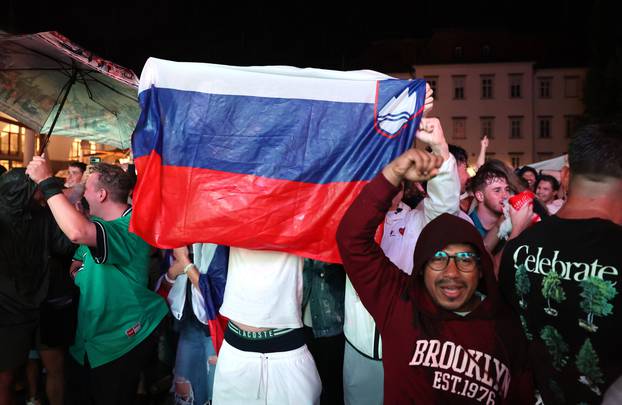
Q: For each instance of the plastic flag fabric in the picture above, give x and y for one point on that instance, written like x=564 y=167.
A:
x=262 y=157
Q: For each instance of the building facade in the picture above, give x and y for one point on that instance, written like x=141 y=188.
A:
x=527 y=113
x=18 y=144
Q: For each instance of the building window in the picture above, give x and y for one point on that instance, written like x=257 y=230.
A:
x=571 y=124
x=516 y=127
x=433 y=82
x=11 y=138
x=544 y=87
x=458 y=52
x=516 y=84
x=458 y=87
x=544 y=156
x=515 y=159
x=571 y=86
x=487 y=82
x=486 y=51
x=487 y=124
x=74 y=152
x=544 y=127
x=459 y=128
x=489 y=155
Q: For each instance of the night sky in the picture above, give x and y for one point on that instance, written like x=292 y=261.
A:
x=304 y=34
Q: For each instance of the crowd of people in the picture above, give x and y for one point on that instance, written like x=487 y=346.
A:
x=467 y=297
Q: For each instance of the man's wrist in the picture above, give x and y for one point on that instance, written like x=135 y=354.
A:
x=49 y=187
x=187 y=267
x=43 y=179
x=391 y=176
x=441 y=149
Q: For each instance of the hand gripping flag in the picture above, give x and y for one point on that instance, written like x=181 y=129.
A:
x=262 y=157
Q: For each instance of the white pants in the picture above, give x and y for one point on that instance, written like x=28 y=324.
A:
x=280 y=378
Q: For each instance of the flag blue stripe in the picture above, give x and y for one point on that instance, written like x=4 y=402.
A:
x=212 y=283
x=290 y=139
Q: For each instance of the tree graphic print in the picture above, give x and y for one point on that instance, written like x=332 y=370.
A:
x=552 y=290
x=523 y=285
x=587 y=364
x=596 y=294
x=558 y=349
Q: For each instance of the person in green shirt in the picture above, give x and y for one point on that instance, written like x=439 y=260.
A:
x=118 y=315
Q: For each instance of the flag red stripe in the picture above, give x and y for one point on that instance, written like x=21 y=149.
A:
x=175 y=206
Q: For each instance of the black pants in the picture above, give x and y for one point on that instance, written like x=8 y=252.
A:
x=113 y=383
x=328 y=355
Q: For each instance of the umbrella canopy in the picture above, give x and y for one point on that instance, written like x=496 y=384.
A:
x=55 y=86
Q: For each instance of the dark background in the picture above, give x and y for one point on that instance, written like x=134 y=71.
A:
x=388 y=36
x=302 y=34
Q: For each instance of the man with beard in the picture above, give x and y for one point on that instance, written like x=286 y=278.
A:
x=491 y=188
x=444 y=326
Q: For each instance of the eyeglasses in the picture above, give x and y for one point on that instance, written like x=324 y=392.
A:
x=466 y=262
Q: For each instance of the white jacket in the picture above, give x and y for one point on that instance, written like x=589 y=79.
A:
x=443 y=196
x=203 y=255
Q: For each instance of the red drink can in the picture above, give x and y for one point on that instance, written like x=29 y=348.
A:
x=519 y=200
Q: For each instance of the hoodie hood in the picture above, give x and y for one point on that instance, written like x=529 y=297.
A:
x=449 y=229
x=16 y=192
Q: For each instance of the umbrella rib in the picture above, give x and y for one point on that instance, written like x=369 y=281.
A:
x=90 y=93
x=69 y=68
x=88 y=73
x=65 y=89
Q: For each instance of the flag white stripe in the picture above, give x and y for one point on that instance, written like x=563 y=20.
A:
x=262 y=81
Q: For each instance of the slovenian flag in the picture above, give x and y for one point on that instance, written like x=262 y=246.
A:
x=262 y=157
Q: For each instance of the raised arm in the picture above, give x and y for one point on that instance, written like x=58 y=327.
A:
x=73 y=224
x=481 y=157
x=374 y=277
x=443 y=191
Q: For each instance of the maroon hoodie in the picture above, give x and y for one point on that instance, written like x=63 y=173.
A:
x=431 y=355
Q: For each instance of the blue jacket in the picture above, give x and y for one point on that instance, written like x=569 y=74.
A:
x=323 y=290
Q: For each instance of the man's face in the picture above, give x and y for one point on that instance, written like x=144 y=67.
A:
x=451 y=288
x=545 y=192
x=494 y=195
x=530 y=178
x=74 y=176
x=463 y=175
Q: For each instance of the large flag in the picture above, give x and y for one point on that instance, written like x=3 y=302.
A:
x=262 y=157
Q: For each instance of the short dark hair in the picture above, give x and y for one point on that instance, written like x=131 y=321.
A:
x=459 y=153
x=595 y=151
x=114 y=180
x=550 y=179
x=79 y=165
x=486 y=174
x=526 y=169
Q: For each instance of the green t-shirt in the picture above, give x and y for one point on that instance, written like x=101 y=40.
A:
x=117 y=311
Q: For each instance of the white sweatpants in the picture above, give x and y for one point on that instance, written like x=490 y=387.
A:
x=281 y=378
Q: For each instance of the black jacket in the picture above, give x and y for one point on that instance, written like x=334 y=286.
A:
x=29 y=239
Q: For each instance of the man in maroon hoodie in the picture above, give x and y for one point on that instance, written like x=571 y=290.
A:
x=448 y=338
